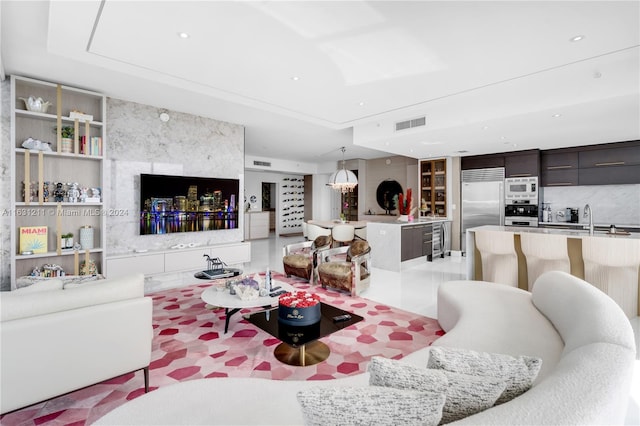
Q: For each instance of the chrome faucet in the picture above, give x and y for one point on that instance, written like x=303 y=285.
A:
x=587 y=211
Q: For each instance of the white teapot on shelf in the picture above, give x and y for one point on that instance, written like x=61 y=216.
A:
x=36 y=104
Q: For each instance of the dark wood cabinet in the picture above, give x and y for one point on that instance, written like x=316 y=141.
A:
x=610 y=156
x=559 y=167
x=433 y=187
x=616 y=163
x=416 y=241
x=482 y=161
x=609 y=175
x=560 y=177
x=522 y=163
x=516 y=164
x=604 y=164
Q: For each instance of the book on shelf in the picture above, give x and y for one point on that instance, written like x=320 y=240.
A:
x=91 y=146
x=33 y=239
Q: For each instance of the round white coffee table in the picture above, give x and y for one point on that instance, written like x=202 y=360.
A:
x=232 y=303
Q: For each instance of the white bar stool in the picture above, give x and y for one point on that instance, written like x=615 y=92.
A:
x=544 y=252
x=611 y=264
x=498 y=255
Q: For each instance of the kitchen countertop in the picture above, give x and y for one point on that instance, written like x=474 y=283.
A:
x=415 y=222
x=571 y=233
x=583 y=225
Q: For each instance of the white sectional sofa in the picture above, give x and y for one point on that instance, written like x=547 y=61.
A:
x=583 y=337
x=55 y=340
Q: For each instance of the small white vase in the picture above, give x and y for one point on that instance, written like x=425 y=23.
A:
x=403 y=218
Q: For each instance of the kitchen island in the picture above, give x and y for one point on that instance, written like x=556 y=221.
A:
x=395 y=245
x=616 y=243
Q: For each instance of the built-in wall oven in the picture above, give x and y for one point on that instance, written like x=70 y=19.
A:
x=521 y=201
x=521 y=214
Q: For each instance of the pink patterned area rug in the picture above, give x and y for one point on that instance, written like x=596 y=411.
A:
x=189 y=343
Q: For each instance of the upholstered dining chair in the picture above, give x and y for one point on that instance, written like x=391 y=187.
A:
x=343 y=234
x=361 y=233
x=300 y=259
x=346 y=268
x=314 y=231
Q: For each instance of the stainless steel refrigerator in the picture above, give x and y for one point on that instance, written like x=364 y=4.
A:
x=482 y=199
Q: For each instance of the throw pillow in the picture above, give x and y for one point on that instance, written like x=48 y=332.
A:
x=369 y=406
x=465 y=394
x=519 y=372
x=45 y=284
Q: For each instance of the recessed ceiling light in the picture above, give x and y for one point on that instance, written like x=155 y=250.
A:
x=576 y=38
x=183 y=35
x=503 y=137
x=295 y=78
x=556 y=115
x=485 y=127
x=361 y=104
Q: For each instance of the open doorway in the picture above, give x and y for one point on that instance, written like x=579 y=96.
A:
x=269 y=202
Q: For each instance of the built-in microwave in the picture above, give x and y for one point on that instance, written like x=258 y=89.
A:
x=521 y=189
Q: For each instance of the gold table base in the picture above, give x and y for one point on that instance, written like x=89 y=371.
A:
x=309 y=354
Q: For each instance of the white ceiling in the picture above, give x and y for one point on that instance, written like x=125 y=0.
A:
x=488 y=76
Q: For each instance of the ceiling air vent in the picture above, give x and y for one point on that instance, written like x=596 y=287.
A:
x=262 y=163
x=410 y=124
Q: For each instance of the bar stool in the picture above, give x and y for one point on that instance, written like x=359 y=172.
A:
x=611 y=264
x=343 y=234
x=544 y=252
x=498 y=255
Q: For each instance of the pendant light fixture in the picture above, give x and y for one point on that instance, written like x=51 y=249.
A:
x=343 y=180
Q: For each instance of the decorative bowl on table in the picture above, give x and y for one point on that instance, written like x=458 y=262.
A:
x=299 y=308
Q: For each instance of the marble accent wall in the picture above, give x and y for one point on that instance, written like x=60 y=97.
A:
x=5 y=185
x=138 y=142
x=611 y=204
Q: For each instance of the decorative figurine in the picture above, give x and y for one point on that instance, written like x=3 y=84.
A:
x=58 y=193
x=73 y=193
x=45 y=191
x=84 y=193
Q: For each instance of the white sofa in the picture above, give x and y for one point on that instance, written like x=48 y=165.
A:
x=585 y=340
x=56 y=340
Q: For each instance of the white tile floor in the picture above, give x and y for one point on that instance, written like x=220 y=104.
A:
x=415 y=290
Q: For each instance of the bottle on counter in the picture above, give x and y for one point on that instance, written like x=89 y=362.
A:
x=547 y=215
x=267 y=280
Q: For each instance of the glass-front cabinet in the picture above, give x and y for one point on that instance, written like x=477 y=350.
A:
x=58 y=220
x=433 y=188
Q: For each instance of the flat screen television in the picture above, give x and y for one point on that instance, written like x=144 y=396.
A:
x=170 y=204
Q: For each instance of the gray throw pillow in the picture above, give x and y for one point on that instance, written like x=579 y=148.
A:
x=465 y=394
x=519 y=372
x=369 y=405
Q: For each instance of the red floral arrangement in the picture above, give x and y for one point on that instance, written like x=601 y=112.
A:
x=299 y=299
x=404 y=204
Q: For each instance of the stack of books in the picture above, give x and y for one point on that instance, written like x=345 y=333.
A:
x=91 y=146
